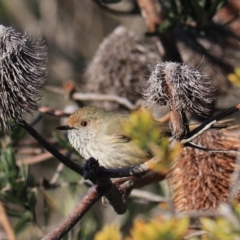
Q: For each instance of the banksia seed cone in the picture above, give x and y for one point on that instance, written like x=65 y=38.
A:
x=180 y=86
x=22 y=75
x=184 y=89
x=121 y=66
x=201 y=180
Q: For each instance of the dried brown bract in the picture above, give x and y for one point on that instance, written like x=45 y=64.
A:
x=201 y=180
x=120 y=66
x=184 y=89
x=22 y=76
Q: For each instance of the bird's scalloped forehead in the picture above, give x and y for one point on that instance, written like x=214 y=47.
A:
x=84 y=113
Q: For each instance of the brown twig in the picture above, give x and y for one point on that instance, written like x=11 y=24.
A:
x=90 y=97
x=209 y=122
x=104 y=188
x=93 y=194
x=105 y=97
x=148 y=196
x=56 y=175
x=66 y=161
x=28 y=142
x=28 y=150
x=36 y=159
x=143 y=180
x=210 y=150
x=53 y=112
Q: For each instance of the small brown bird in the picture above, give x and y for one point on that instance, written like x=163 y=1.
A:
x=97 y=133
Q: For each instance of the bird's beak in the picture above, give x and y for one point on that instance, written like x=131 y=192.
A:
x=65 y=127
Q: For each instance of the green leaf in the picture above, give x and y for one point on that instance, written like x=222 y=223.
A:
x=32 y=199
x=26 y=218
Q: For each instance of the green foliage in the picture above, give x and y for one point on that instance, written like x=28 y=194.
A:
x=15 y=189
x=109 y=232
x=146 y=133
x=169 y=229
x=225 y=226
x=142 y=129
x=191 y=13
x=235 y=77
x=154 y=229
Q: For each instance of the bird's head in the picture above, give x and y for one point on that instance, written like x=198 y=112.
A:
x=84 y=124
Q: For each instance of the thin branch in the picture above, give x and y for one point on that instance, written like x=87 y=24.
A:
x=209 y=122
x=56 y=175
x=104 y=188
x=59 y=169
x=66 y=161
x=148 y=196
x=53 y=112
x=105 y=97
x=194 y=145
x=91 y=97
x=78 y=212
x=28 y=150
x=143 y=180
x=37 y=159
x=30 y=142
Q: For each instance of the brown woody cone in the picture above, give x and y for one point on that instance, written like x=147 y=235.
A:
x=121 y=66
x=201 y=180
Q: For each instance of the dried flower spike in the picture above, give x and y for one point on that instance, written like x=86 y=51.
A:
x=201 y=180
x=22 y=75
x=120 y=66
x=184 y=88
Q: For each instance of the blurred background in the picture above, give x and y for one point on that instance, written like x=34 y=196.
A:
x=73 y=31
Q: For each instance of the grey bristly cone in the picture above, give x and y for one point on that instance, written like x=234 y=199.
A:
x=185 y=90
x=22 y=75
x=121 y=66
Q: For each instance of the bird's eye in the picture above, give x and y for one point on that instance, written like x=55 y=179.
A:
x=84 y=123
